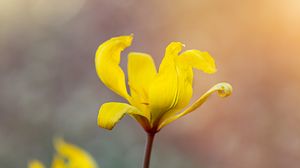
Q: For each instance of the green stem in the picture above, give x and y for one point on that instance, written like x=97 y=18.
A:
x=148 y=149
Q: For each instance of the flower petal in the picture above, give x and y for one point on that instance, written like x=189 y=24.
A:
x=111 y=113
x=107 y=62
x=171 y=54
x=223 y=89
x=35 y=164
x=184 y=64
x=69 y=155
x=199 y=60
x=184 y=90
x=163 y=91
x=141 y=71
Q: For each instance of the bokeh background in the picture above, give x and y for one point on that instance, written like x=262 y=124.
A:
x=48 y=84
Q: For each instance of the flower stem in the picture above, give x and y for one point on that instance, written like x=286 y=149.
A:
x=148 y=149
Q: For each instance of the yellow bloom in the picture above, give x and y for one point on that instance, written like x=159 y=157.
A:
x=157 y=97
x=67 y=156
x=35 y=164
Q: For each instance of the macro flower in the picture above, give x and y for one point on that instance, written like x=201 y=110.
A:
x=157 y=96
x=67 y=156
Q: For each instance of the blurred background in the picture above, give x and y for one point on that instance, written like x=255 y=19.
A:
x=48 y=84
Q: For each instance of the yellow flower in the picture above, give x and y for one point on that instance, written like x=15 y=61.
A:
x=68 y=156
x=157 y=97
x=35 y=164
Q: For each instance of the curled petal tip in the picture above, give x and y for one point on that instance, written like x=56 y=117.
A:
x=128 y=38
x=224 y=89
x=175 y=47
x=125 y=40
